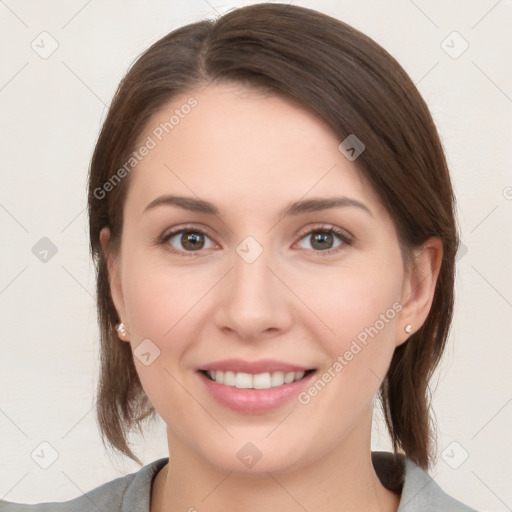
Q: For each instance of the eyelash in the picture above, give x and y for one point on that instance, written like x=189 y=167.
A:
x=345 y=239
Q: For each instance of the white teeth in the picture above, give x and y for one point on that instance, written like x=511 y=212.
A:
x=249 y=381
x=277 y=379
x=243 y=380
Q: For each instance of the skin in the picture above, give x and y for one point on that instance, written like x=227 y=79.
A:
x=251 y=155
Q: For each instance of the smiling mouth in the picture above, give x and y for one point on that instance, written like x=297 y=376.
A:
x=264 y=380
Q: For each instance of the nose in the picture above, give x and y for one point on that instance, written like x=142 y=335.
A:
x=253 y=301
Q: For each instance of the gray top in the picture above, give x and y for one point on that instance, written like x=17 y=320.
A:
x=419 y=492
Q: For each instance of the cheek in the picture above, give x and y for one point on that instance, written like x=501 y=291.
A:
x=162 y=304
x=161 y=300
x=360 y=306
x=150 y=304
x=348 y=300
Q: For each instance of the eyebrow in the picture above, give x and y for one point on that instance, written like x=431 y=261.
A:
x=296 y=208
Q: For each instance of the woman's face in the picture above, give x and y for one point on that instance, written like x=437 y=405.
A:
x=254 y=283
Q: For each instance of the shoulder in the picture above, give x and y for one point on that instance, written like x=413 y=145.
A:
x=419 y=492
x=126 y=493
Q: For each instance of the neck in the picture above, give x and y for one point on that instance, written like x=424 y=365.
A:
x=343 y=480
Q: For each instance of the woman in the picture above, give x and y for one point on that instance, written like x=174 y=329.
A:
x=272 y=220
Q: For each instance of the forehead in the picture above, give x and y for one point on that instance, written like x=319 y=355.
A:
x=238 y=144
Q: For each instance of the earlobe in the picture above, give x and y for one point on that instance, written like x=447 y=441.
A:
x=419 y=287
x=114 y=278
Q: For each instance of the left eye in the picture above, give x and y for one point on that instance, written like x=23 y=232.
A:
x=324 y=236
x=193 y=240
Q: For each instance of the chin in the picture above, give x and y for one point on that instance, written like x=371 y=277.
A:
x=256 y=458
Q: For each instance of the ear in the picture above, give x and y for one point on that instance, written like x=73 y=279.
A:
x=114 y=278
x=419 y=287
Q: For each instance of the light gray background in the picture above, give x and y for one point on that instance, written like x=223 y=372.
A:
x=51 y=112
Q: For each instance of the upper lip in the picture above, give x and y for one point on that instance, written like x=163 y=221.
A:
x=254 y=367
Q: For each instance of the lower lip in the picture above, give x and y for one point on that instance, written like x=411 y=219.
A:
x=255 y=400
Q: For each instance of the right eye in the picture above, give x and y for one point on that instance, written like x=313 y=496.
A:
x=191 y=239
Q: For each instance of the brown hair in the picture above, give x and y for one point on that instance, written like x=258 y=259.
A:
x=357 y=88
